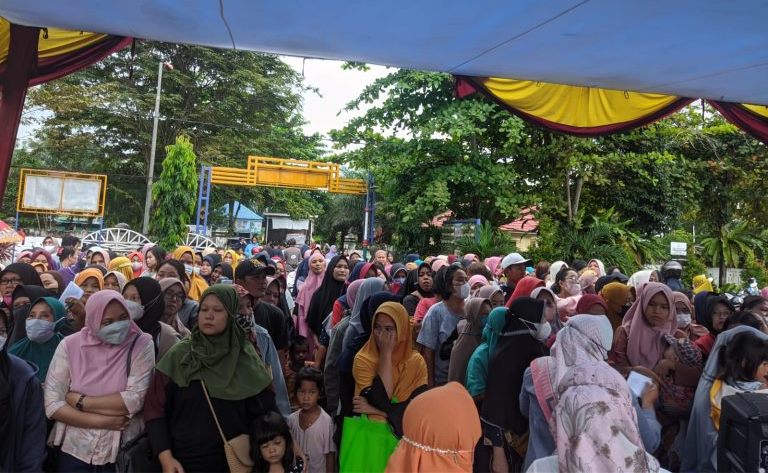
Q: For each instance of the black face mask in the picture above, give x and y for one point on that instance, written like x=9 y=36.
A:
x=624 y=309
x=21 y=311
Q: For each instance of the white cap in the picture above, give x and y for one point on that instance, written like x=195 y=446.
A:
x=513 y=258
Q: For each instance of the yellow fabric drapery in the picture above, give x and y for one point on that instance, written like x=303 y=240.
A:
x=761 y=110
x=57 y=42
x=574 y=106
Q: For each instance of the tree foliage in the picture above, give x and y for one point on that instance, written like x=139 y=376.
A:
x=231 y=104
x=174 y=194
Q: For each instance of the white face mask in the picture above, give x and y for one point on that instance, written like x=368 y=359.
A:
x=574 y=289
x=38 y=330
x=49 y=248
x=540 y=332
x=462 y=292
x=136 y=266
x=135 y=310
x=683 y=319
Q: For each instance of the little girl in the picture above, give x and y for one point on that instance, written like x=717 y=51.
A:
x=272 y=446
x=743 y=367
x=311 y=426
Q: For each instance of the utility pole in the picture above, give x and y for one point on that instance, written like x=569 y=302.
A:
x=151 y=170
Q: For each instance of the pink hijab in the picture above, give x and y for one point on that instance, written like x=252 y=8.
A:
x=97 y=368
x=492 y=263
x=646 y=345
x=306 y=292
x=352 y=291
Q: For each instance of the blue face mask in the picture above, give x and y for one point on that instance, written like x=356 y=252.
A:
x=114 y=333
x=38 y=330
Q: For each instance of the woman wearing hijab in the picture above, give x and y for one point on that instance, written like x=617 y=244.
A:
x=115 y=280
x=555 y=268
x=716 y=310
x=96 y=385
x=596 y=427
x=230 y=257
x=176 y=300
x=638 y=279
x=91 y=281
x=21 y=302
x=418 y=286
x=22 y=417
x=585 y=338
x=388 y=372
x=477 y=368
x=321 y=304
x=314 y=280
x=524 y=287
x=470 y=332
x=197 y=284
x=493 y=293
x=45 y=319
x=122 y=265
x=492 y=263
x=685 y=321
x=206 y=266
x=99 y=256
x=639 y=341
x=16 y=274
x=597 y=267
x=438 y=443
x=222 y=270
x=54 y=282
x=137 y=263
x=147 y=306
x=700 y=450
x=618 y=299
x=399 y=275
x=549 y=299
x=592 y=304
x=43 y=256
x=504 y=427
x=216 y=361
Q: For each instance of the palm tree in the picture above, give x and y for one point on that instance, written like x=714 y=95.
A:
x=732 y=243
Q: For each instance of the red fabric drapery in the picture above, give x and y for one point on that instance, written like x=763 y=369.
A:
x=23 y=69
x=752 y=123
x=465 y=86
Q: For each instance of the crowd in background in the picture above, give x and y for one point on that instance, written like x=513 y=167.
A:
x=290 y=358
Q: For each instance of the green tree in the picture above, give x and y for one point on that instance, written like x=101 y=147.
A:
x=231 y=104
x=489 y=241
x=733 y=243
x=174 y=194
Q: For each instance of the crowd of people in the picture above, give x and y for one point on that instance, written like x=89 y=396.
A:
x=210 y=360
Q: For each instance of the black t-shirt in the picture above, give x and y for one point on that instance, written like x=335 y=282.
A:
x=272 y=319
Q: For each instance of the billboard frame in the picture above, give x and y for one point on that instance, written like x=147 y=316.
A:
x=25 y=172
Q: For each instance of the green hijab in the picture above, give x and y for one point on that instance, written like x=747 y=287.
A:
x=227 y=362
x=477 y=368
x=41 y=354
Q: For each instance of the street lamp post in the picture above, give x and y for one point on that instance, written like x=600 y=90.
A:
x=151 y=170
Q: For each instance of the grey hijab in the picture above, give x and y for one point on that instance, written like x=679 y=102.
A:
x=700 y=450
x=369 y=287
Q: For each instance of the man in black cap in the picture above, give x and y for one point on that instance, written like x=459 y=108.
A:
x=252 y=275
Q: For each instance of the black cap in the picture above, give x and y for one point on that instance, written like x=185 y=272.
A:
x=252 y=268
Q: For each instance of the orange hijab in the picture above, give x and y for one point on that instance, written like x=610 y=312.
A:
x=410 y=369
x=90 y=273
x=197 y=284
x=433 y=441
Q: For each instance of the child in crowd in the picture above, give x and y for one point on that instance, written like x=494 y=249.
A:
x=743 y=368
x=297 y=356
x=311 y=426
x=272 y=446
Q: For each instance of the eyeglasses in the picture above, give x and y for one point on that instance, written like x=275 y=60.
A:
x=6 y=282
x=170 y=297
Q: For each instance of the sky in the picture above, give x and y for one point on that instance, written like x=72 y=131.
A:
x=336 y=88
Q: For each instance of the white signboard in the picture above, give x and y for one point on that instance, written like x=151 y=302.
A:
x=62 y=192
x=678 y=248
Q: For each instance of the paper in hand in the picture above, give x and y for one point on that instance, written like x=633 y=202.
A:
x=72 y=291
x=637 y=383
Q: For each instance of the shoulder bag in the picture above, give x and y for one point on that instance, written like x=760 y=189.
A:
x=238 y=449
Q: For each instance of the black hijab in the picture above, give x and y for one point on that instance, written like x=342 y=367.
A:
x=226 y=270
x=28 y=274
x=412 y=282
x=213 y=259
x=322 y=300
x=151 y=295
x=6 y=407
x=19 y=315
x=515 y=350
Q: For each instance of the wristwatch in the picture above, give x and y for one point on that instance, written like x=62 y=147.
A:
x=79 y=405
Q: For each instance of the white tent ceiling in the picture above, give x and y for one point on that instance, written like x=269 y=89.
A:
x=710 y=49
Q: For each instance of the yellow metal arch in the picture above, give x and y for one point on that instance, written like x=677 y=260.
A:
x=288 y=173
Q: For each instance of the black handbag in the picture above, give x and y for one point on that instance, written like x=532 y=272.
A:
x=136 y=455
x=447 y=346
